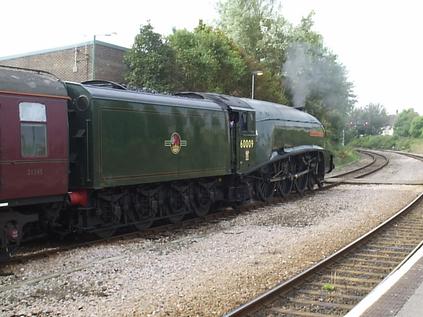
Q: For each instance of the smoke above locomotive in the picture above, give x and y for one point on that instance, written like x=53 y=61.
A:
x=310 y=73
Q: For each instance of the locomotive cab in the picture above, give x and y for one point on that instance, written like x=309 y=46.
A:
x=243 y=137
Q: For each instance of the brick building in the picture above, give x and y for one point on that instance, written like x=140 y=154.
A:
x=76 y=62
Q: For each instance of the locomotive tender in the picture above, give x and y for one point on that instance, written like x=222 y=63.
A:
x=94 y=157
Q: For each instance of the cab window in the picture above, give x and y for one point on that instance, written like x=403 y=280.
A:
x=251 y=123
x=244 y=122
x=33 y=121
x=247 y=122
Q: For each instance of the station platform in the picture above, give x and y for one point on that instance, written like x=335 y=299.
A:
x=400 y=294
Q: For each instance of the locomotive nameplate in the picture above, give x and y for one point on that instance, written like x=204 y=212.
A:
x=317 y=133
x=175 y=143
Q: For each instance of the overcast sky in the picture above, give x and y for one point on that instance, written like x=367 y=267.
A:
x=379 y=42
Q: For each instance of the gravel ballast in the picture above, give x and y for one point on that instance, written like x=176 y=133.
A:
x=206 y=270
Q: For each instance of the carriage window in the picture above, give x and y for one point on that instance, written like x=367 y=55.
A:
x=33 y=129
x=35 y=112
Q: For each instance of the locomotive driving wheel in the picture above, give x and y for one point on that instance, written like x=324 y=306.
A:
x=301 y=176
x=316 y=173
x=265 y=189
x=284 y=186
x=312 y=175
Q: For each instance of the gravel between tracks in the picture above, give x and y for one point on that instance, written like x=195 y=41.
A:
x=203 y=271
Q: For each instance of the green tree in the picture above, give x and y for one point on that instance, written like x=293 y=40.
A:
x=202 y=60
x=262 y=34
x=416 y=127
x=369 y=120
x=208 y=60
x=151 y=61
x=246 y=21
x=403 y=123
x=307 y=73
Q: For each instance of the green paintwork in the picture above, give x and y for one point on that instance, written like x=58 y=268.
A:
x=129 y=137
x=278 y=128
x=124 y=138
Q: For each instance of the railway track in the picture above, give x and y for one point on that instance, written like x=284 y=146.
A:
x=47 y=249
x=335 y=285
x=378 y=161
x=412 y=155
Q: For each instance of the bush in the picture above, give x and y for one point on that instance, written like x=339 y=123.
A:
x=343 y=154
x=386 y=142
x=416 y=127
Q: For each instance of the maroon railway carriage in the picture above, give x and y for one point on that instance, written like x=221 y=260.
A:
x=33 y=147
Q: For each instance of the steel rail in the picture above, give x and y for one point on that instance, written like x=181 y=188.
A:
x=359 y=168
x=284 y=288
x=373 y=155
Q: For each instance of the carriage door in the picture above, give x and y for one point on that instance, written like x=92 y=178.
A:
x=43 y=147
x=245 y=137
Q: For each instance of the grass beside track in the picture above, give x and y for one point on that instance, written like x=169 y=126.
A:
x=344 y=155
x=386 y=142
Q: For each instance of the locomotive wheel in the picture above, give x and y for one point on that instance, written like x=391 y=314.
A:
x=320 y=176
x=284 y=186
x=110 y=214
x=313 y=174
x=301 y=180
x=177 y=219
x=177 y=205
x=319 y=182
x=317 y=172
x=105 y=233
x=202 y=199
x=311 y=182
x=142 y=215
x=144 y=224
x=264 y=187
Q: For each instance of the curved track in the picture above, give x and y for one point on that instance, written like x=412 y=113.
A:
x=412 y=155
x=378 y=161
x=335 y=285
x=338 y=283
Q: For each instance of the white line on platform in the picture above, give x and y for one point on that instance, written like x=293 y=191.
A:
x=385 y=285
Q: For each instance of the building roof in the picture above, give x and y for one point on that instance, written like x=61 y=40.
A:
x=57 y=49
